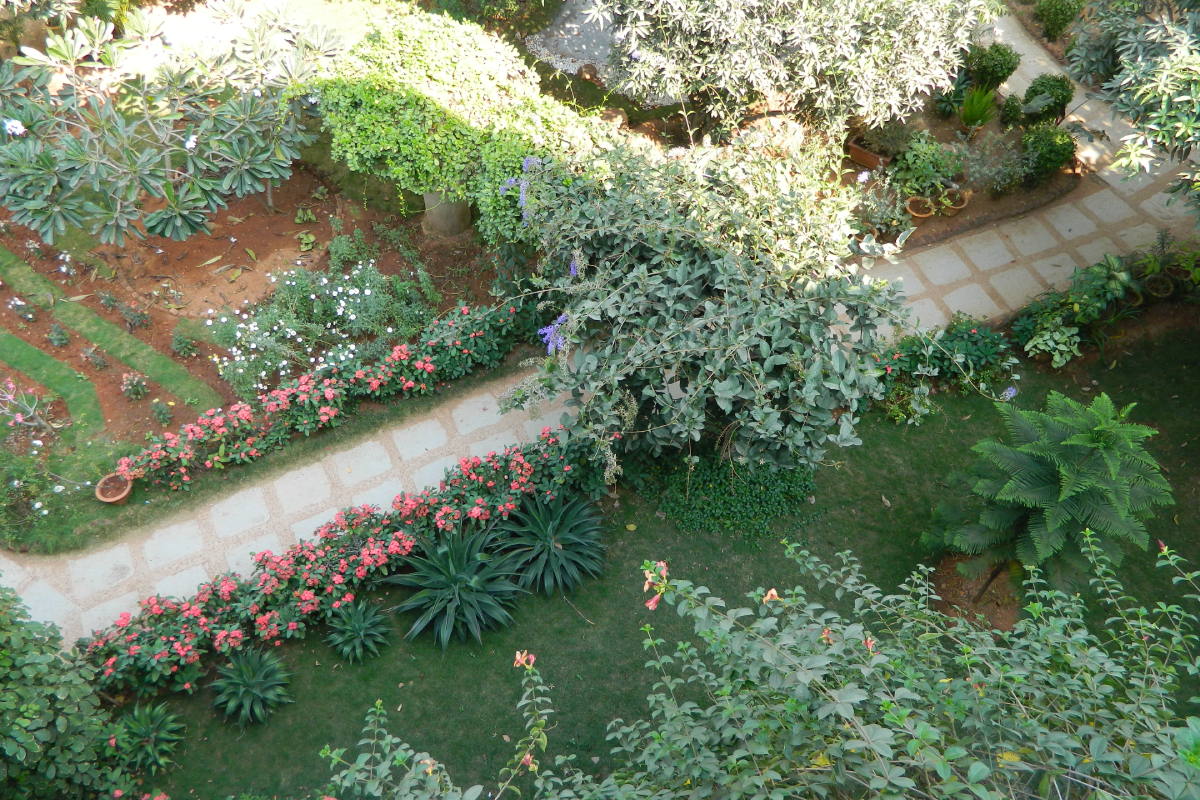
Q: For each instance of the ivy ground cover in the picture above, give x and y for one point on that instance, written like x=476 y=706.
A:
x=460 y=706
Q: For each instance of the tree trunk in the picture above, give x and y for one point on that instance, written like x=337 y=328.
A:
x=987 y=584
x=445 y=217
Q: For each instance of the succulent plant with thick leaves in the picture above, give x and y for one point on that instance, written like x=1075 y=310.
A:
x=252 y=686
x=556 y=543
x=357 y=629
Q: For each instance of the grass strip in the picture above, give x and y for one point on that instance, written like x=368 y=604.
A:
x=80 y=396
x=97 y=330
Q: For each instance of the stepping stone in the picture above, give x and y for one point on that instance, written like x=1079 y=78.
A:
x=1029 y=236
x=1143 y=235
x=302 y=488
x=1094 y=251
x=1017 y=286
x=365 y=461
x=986 y=250
x=1056 y=270
x=240 y=513
x=382 y=495
x=417 y=440
x=241 y=561
x=972 y=299
x=306 y=529
x=96 y=572
x=168 y=545
x=476 y=412
x=1125 y=184
x=495 y=444
x=901 y=274
x=430 y=475
x=926 y=314
x=99 y=617
x=1157 y=206
x=942 y=266
x=181 y=584
x=1107 y=207
x=12 y=574
x=1070 y=222
x=46 y=604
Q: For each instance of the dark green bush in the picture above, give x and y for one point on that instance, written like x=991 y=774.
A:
x=715 y=495
x=357 y=628
x=1045 y=149
x=991 y=66
x=251 y=686
x=58 y=335
x=890 y=139
x=1056 y=16
x=1058 y=91
x=1010 y=111
x=555 y=544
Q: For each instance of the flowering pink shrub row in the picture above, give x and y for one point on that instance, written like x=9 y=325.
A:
x=449 y=348
x=164 y=645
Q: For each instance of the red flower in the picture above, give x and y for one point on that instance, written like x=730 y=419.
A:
x=652 y=603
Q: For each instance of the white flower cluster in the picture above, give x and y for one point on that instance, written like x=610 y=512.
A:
x=13 y=127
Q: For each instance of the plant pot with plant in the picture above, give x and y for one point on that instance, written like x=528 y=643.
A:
x=114 y=489
x=954 y=201
x=920 y=209
x=875 y=148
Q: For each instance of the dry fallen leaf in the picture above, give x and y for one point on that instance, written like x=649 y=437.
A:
x=886 y=502
x=505 y=738
x=967 y=417
x=631 y=527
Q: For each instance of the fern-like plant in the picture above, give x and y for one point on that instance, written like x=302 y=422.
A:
x=357 y=627
x=555 y=544
x=1067 y=469
x=464 y=588
x=151 y=735
x=252 y=686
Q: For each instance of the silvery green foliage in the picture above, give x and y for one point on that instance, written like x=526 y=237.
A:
x=885 y=698
x=872 y=59
x=95 y=126
x=1142 y=58
x=712 y=291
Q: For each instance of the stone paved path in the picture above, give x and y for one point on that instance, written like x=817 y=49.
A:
x=989 y=272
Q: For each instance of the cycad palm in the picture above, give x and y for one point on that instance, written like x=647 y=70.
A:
x=1068 y=469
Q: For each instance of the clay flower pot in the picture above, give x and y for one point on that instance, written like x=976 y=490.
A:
x=864 y=157
x=957 y=200
x=113 y=489
x=920 y=209
x=1159 y=285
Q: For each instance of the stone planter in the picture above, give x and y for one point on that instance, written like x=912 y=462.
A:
x=113 y=489
x=864 y=157
x=445 y=217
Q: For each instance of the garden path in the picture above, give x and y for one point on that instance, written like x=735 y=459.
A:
x=989 y=272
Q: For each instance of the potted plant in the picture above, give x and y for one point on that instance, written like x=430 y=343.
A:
x=875 y=148
x=954 y=201
x=977 y=109
x=919 y=208
x=114 y=489
x=881 y=211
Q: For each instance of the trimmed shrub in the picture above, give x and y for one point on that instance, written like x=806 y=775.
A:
x=1059 y=92
x=1045 y=149
x=991 y=66
x=1056 y=16
x=1010 y=111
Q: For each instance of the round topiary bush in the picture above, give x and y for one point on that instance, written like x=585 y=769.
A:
x=1045 y=149
x=991 y=66
x=1058 y=90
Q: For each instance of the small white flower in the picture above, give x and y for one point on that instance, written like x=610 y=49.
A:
x=232 y=240
x=190 y=144
x=38 y=504
x=258 y=92
x=37 y=442
x=59 y=489
x=13 y=127
x=864 y=176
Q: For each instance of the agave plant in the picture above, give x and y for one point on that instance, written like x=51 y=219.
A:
x=252 y=686
x=357 y=627
x=555 y=544
x=978 y=108
x=464 y=588
x=151 y=736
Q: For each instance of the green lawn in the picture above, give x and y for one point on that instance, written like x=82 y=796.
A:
x=459 y=706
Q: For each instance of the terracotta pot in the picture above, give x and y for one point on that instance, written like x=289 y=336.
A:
x=958 y=201
x=113 y=489
x=1158 y=285
x=920 y=209
x=864 y=157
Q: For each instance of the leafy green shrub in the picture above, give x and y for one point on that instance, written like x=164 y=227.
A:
x=183 y=345
x=251 y=686
x=1066 y=470
x=161 y=411
x=1056 y=16
x=889 y=139
x=53 y=727
x=133 y=385
x=357 y=628
x=978 y=108
x=1010 y=111
x=946 y=102
x=24 y=487
x=1053 y=337
x=147 y=738
x=1047 y=98
x=134 y=317
x=464 y=587
x=351 y=249
x=315 y=318
x=58 y=335
x=555 y=544
x=990 y=164
x=94 y=356
x=708 y=494
x=992 y=65
x=22 y=309
x=1045 y=149
x=923 y=169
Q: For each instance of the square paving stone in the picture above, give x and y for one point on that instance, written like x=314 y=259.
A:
x=46 y=604
x=97 y=572
x=476 y=412
x=1070 y=222
x=900 y=273
x=1123 y=183
x=240 y=513
x=1094 y=251
x=1107 y=207
x=1056 y=270
x=942 y=266
x=382 y=495
x=102 y=615
x=1017 y=286
x=430 y=475
x=1029 y=236
x=240 y=558
x=1142 y=235
x=926 y=314
x=182 y=584
x=972 y=299
x=306 y=529
x=302 y=488
x=168 y=545
x=495 y=444
x=365 y=461
x=986 y=250
x=12 y=574
x=417 y=440
x=1157 y=206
